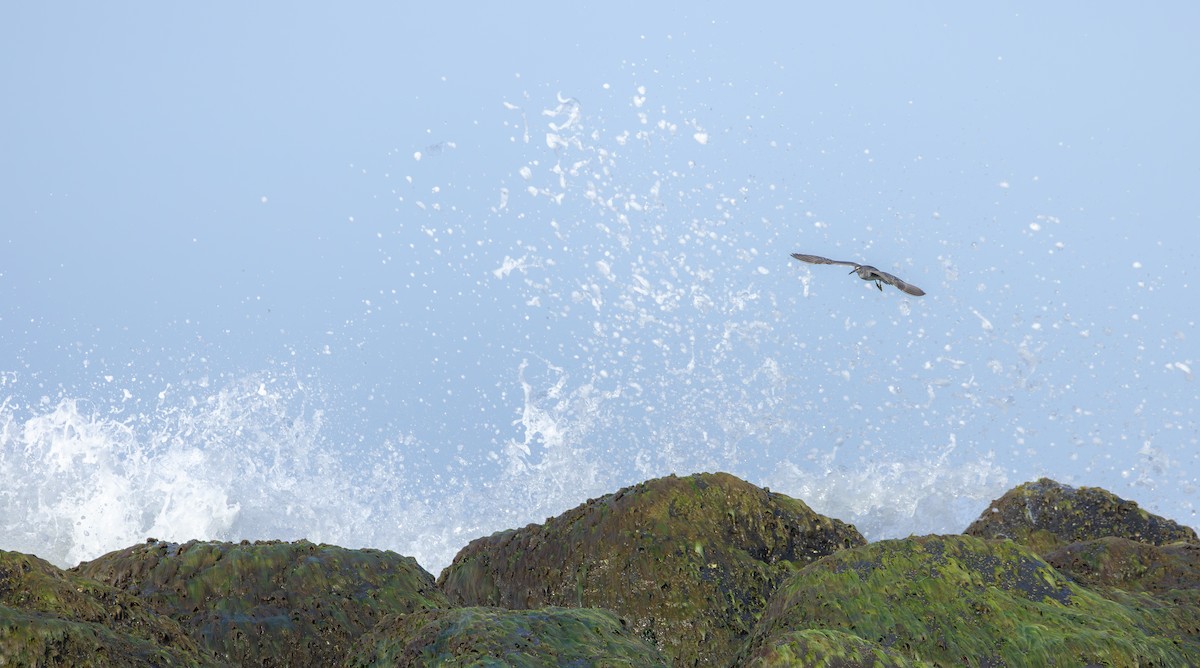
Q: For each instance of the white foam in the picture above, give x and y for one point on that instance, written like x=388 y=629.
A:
x=891 y=497
x=81 y=483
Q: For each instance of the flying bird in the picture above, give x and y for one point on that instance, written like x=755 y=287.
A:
x=865 y=272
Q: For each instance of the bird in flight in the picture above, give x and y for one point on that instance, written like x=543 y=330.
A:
x=865 y=272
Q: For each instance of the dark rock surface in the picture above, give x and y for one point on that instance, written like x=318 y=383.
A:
x=1045 y=515
x=269 y=603
x=959 y=600
x=1121 y=563
x=51 y=617
x=481 y=636
x=701 y=570
x=689 y=561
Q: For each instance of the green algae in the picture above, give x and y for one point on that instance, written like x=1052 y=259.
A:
x=823 y=648
x=477 y=636
x=1046 y=514
x=271 y=602
x=51 y=617
x=689 y=561
x=959 y=600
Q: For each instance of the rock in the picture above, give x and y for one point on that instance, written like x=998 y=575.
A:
x=494 y=636
x=960 y=600
x=269 y=603
x=824 y=648
x=1120 y=563
x=685 y=567
x=50 y=617
x=1046 y=514
x=689 y=561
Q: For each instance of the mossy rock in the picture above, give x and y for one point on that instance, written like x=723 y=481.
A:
x=1120 y=563
x=691 y=561
x=269 y=603
x=51 y=617
x=1045 y=515
x=497 y=637
x=824 y=648
x=964 y=601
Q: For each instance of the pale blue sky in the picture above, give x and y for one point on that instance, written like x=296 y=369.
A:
x=204 y=207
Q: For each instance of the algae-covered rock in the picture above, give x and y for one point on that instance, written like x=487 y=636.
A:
x=50 y=617
x=959 y=600
x=1129 y=565
x=823 y=648
x=689 y=561
x=269 y=603
x=1046 y=514
x=494 y=636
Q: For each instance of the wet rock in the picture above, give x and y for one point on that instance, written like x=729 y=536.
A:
x=1125 y=564
x=50 y=617
x=1046 y=514
x=689 y=561
x=823 y=648
x=959 y=600
x=269 y=603
x=494 y=636
x=685 y=567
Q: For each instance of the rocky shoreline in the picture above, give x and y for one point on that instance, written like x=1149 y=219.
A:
x=702 y=570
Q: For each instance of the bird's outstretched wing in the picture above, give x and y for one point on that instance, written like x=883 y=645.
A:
x=817 y=259
x=901 y=285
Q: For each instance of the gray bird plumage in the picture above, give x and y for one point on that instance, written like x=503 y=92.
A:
x=865 y=272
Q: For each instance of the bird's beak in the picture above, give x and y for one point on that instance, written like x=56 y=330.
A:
x=854 y=270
